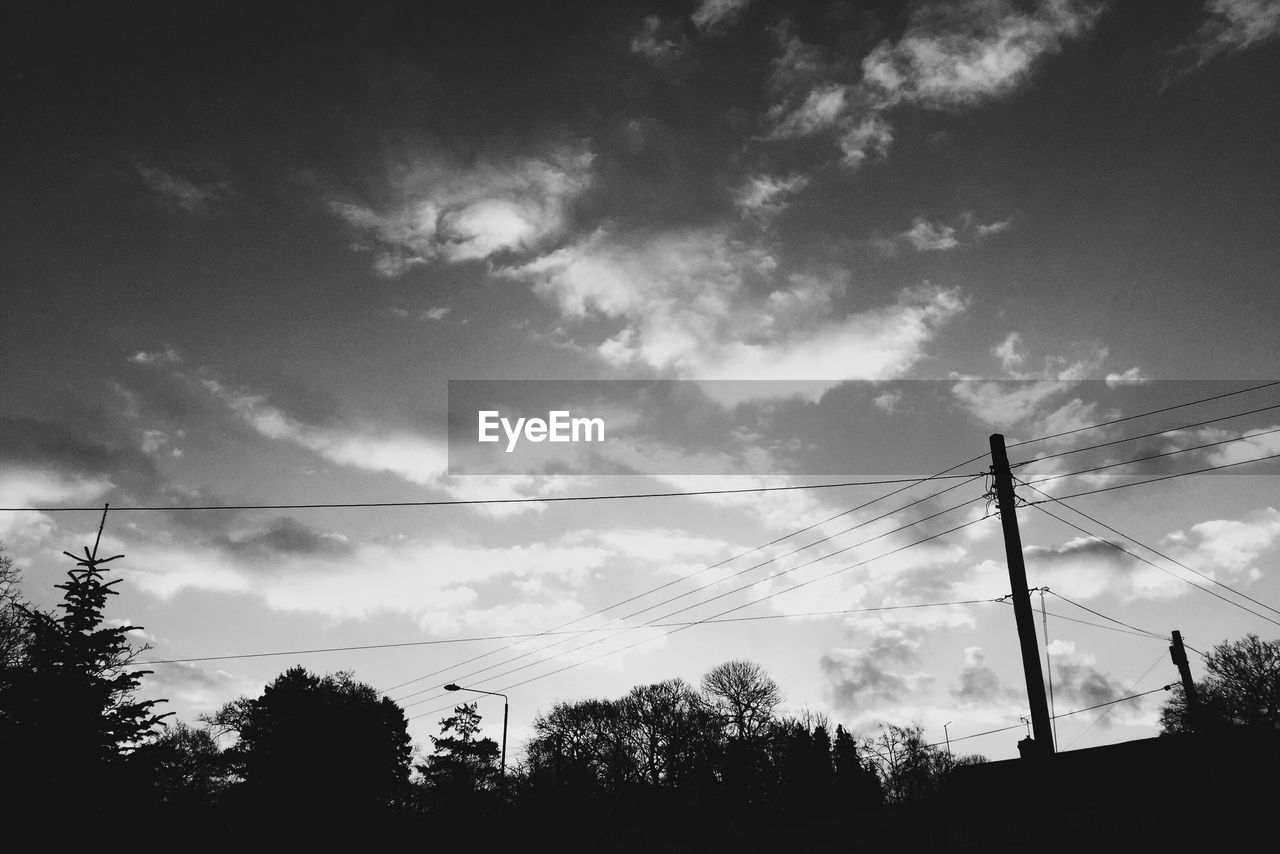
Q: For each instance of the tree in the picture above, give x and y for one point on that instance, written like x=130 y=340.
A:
x=461 y=764
x=857 y=786
x=910 y=768
x=319 y=743
x=186 y=768
x=71 y=712
x=665 y=732
x=13 y=623
x=743 y=697
x=1241 y=688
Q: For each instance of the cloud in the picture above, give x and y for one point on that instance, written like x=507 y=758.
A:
x=697 y=304
x=200 y=688
x=1031 y=398
x=660 y=42
x=978 y=684
x=868 y=136
x=874 y=676
x=767 y=195
x=715 y=14
x=282 y=536
x=960 y=55
x=926 y=236
x=411 y=457
x=1228 y=547
x=1231 y=26
x=1132 y=376
x=1078 y=681
x=193 y=195
x=439 y=211
x=950 y=57
x=446 y=587
x=821 y=109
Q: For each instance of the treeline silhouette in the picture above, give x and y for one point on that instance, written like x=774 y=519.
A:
x=327 y=760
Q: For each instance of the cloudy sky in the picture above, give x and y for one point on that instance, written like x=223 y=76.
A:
x=247 y=248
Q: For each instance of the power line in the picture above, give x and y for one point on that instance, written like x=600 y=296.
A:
x=1132 y=685
x=1039 y=505
x=470 y=501
x=704 y=586
x=1153 y=479
x=1063 y=715
x=1098 y=625
x=1147 y=435
x=438 y=641
x=627 y=629
x=1143 y=414
x=1146 y=632
x=1150 y=457
x=1153 y=550
x=722 y=613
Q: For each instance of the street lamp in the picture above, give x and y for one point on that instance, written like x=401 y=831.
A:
x=502 y=772
x=947 y=735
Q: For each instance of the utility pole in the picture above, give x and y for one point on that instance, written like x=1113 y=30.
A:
x=1040 y=721
x=1179 y=655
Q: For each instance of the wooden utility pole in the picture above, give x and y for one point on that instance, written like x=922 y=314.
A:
x=1179 y=655
x=1040 y=722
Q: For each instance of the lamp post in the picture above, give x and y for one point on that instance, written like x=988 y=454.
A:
x=502 y=770
x=947 y=735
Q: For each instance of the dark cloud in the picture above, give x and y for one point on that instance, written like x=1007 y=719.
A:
x=282 y=537
x=68 y=449
x=1083 y=685
x=979 y=684
x=867 y=678
x=1074 y=552
x=181 y=676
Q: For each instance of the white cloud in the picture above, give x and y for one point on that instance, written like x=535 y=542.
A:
x=766 y=195
x=926 y=236
x=1259 y=443
x=700 y=305
x=712 y=14
x=961 y=55
x=1132 y=376
x=867 y=136
x=1233 y=26
x=951 y=56
x=465 y=214
x=22 y=486
x=821 y=109
x=414 y=458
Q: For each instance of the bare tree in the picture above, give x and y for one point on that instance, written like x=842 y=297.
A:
x=743 y=697
x=13 y=624
x=1241 y=687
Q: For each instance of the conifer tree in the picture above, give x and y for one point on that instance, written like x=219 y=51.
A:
x=72 y=713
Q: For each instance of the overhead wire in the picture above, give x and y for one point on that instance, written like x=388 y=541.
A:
x=727 y=611
x=627 y=629
x=1150 y=435
x=1134 y=684
x=473 y=639
x=943 y=474
x=1153 y=550
x=1039 y=505
x=1063 y=715
x=1149 y=457
x=1155 y=479
x=456 y=502
x=1143 y=414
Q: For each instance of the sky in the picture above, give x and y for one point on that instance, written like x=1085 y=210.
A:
x=247 y=249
